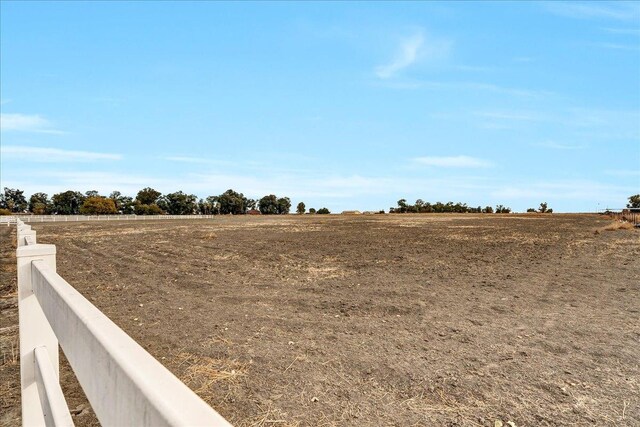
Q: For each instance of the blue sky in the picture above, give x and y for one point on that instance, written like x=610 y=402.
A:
x=343 y=105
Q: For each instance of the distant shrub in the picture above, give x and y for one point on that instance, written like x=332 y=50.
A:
x=323 y=211
x=530 y=210
x=502 y=209
x=312 y=210
x=98 y=206
x=5 y=212
x=152 y=209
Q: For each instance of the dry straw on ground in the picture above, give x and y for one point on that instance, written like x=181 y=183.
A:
x=619 y=225
x=202 y=372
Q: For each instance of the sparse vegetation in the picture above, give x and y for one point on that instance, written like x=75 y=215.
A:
x=619 y=225
x=544 y=208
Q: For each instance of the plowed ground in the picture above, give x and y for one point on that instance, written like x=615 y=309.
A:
x=455 y=320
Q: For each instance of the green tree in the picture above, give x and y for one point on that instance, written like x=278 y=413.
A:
x=312 y=211
x=284 y=205
x=98 y=205
x=402 y=206
x=67 y=203
x=92 y=193
x=13 y=200
x=301 y=208
x=634 y=201
x=148 y=196
x=487 y=209
x=213 y=204
x=124 y=204
x=140 y=209
x=543 y=207
x=232 y=202
x=179 y=203
x=268 y=205
x=531 y=210
x=323 y=211
x=39 y=204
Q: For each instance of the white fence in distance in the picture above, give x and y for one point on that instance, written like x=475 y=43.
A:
x=123 y=382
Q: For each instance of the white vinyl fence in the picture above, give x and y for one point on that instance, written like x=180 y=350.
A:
x=125 y=385
x=11 y=219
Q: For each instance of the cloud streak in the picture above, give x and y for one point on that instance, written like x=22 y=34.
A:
x=195 y=160
x=452 y=162
x=407 y=54
x=619 y=11
x=26 y=123
x=463 y=86
x=410 y=51
x=53 y=155
x=557 y=146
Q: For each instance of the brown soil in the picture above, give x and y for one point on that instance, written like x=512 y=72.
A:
x=453 y=320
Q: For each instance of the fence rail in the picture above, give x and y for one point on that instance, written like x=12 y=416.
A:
x=628 y=215
x=11 y=219
x=123 y=382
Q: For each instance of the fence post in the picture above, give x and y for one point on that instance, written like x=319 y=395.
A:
x=34 y=330
x=24 y=233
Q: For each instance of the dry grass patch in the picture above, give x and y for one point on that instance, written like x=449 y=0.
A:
x=619 y=225
x=269 y=417
x=202 y=372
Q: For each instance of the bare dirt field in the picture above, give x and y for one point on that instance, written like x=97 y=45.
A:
x=434 y=320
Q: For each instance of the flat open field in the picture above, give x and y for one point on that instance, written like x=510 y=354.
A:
x=452 y=320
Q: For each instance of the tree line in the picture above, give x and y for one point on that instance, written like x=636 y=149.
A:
x=420 y=206
x=148 y=201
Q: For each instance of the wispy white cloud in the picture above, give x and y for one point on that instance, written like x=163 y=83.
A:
x=625 y=31
x=622 y=172
x=26 y=123
x=197 y=160
x=561 y=190
x=474 y=68
x=341 y=191
x=583 y=123
x=410 y=51
x=452 y=162
x=53 y=155
x=618 y=46
x=466 y=86
x=526 y=116
x=558 y=146
x=621 y=11
x=406 y=55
